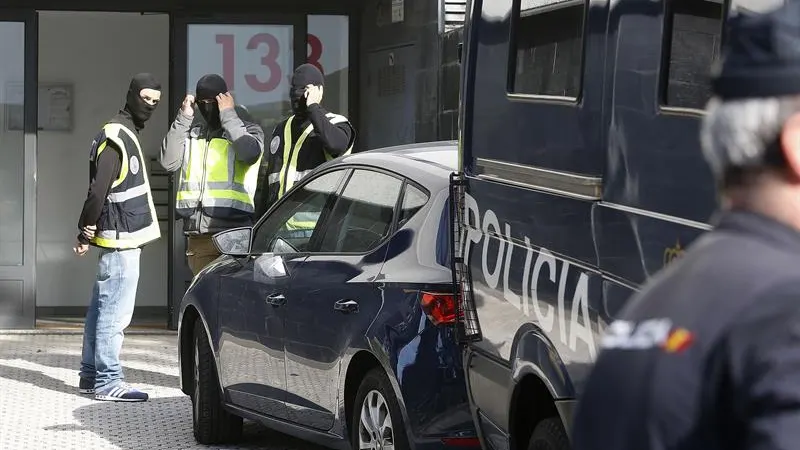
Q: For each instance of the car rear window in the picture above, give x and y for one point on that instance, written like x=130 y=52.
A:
x=443 y=236
x=413 y=200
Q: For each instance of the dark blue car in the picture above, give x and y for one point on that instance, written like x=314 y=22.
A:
x=332 y=318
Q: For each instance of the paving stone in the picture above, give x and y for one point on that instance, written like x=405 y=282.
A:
x=40 y=407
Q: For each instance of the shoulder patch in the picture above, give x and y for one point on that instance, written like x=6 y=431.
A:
x=134 y=165
x=274 y=143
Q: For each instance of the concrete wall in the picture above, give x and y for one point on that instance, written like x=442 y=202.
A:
x=431 y=83
x=449 y=85
x=400 y=66
x=97 y=53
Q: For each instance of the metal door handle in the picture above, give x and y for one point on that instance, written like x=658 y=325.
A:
x=346 y=306
x=276 y=300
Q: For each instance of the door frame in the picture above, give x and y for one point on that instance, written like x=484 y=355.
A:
x=26 y=273
x=178 y=273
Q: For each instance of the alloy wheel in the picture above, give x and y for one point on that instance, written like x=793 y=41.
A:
x=196 y=396
x=375 y=428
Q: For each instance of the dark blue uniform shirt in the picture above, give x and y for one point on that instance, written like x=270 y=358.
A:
x=707 y=355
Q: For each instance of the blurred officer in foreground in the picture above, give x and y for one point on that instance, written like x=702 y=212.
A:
x=707 y=355
x=307 y=138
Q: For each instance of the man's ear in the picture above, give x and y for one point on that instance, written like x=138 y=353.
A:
x=790 y=144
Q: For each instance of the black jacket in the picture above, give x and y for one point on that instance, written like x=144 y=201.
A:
x=326 y=137
x=707 y=355
x=102 y=173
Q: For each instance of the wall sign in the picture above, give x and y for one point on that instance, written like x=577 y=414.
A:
x=398 y=10
x=54 y=109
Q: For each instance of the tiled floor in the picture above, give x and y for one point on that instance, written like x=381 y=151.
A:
x=41 y=409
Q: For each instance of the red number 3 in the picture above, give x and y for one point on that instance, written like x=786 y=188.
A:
x=270 y=60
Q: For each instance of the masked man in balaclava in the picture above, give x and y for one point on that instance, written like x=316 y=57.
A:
x=218 y=155
x=119 y=218
x=308 y=138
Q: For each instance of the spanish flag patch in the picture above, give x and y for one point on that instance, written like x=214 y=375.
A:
x=678 y=340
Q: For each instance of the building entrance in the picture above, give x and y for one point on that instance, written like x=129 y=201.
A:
x=86 y=60
x=17 y=170
x=66 y=73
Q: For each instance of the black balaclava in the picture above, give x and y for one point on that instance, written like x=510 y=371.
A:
x=208 y=88
x=303 y=76
x=139 y=110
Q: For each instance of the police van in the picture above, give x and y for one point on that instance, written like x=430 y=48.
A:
x=581 y=175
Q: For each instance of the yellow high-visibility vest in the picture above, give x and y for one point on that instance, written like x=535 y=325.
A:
x=127 y=222
x=212 y=178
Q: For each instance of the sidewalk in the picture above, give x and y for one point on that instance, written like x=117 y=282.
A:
x=40 y=407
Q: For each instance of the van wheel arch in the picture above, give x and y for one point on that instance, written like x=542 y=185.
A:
x=531 y=403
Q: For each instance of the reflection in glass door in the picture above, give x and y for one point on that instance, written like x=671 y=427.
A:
x=17 y=168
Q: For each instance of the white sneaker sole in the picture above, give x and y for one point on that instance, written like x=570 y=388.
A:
x=87 y=391
x=109 y=398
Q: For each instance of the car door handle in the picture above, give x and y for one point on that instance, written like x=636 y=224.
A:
x=346 y=306
x=276 y=300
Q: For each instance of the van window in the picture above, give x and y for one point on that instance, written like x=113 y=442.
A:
x=548 y=47
x=754 y=6
x=695 y=35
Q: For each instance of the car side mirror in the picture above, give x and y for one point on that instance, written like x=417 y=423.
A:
x=234 y=242
x=270 y=267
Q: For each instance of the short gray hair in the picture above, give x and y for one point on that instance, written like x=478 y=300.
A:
x=737 y=133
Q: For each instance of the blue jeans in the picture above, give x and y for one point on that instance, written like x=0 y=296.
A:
x=109 y=314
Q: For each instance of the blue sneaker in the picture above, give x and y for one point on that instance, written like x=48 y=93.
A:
x=86 y=386
x=120 y=392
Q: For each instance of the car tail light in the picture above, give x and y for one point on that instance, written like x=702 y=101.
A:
x=461 y=442
x=440 y=307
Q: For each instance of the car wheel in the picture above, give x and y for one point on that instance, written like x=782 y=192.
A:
x=549 y=434
x=377 y=422
x=211 y=423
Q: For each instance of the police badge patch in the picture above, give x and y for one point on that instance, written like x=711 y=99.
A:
x=134 y=165
x=274 y=143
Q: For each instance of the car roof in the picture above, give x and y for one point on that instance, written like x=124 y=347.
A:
x=428 y=163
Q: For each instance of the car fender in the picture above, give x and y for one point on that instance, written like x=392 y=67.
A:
x=189 y=302
x=374 y=348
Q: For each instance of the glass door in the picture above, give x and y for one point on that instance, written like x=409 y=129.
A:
x=18 y=94
x=256 y=58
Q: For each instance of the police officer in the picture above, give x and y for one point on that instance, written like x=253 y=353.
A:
x=218 y=155
x=118 y=217
x=308 y=138
x=707 y=355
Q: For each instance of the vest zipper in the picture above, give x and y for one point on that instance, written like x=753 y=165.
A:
x=287 y=163
x=199 y=207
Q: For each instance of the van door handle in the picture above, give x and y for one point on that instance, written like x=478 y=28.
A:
x=346 y=306
x=276 y=300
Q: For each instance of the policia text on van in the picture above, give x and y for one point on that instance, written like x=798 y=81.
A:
x=219 y=156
